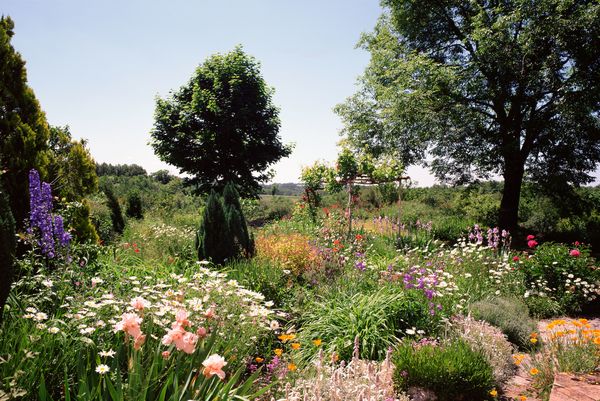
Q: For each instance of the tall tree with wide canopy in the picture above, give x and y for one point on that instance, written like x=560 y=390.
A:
x=222 y=126
x=484 y=88
x=24 y=131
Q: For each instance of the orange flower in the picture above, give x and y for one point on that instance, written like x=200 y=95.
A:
x=494 y=393
x=597 y=340
x=317 y=342
x=286 y=337
x=534 y=371
x=296 y=346
x=278 y=351
x=522 y=398
x=258 y=359
x=291 y=366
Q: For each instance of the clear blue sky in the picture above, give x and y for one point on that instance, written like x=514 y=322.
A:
x=98 y=65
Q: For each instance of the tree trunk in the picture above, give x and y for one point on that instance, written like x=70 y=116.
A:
x=509 y=206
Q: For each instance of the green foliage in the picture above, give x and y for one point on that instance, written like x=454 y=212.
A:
x=24 y=131
x=564 y=274
x=453 y=371
x=7 y=248
x=134 y=206
x=377 y=318
x=222 y=126
x=214 y=240
x=72 y=169
x=510 y=315
x=116 y=215
x=482 y=89
x=121 y=170
x=77 y=216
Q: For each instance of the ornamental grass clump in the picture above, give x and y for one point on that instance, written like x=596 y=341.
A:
x=451 y=370
x=378 y=319
x=510 y=315
x=490 y=342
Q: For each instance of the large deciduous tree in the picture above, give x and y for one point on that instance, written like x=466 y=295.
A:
x=24 y=131
x=222 y=126
x=484 y=88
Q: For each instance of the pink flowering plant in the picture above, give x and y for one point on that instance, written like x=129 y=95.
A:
x=564 y=274
x=125 y=334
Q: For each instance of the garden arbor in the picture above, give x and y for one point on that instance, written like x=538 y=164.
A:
x=352 y=169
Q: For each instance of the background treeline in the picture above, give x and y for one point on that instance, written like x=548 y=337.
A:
x=564 y=216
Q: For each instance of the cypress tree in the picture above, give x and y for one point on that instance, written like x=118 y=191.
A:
x=7 y=248
x=116 y=215
x=214 y=238
x=24 y=131
x=237 y=222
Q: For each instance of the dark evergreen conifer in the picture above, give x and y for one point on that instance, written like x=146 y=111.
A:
x=213 y=238
x=236 y=221
x=7 y=248
x=116 y=215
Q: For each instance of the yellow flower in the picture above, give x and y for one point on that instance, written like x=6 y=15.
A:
x=534 y=371
x=295 y=346
x=494 y=393
x=258 y=359
x=317 y=342
x=533 y=340
x=278 y=351
x=291 y=366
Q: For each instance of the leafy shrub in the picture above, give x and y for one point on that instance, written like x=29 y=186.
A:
x=134 y=206
x=490 y=342
x=378 y=319
x=543 y=307
x=565 y=274
x=100 y=218
x=292 y=251
x=452 y=371
x=508 y=314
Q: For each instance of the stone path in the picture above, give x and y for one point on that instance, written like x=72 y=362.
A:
x=567 y=387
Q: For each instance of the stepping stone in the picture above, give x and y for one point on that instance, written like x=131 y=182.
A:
x=573 y=388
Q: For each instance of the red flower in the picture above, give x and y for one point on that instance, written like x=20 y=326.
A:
x=359 y=237
x=575 y=252
x=137 y=250
x=530 y=237
x=326 y=211
x=515 y=258
x=532 y=243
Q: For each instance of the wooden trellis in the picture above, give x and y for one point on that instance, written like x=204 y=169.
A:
x=365 y=180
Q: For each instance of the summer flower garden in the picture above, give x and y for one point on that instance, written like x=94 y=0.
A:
x=384 y=312
x=355 y=285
